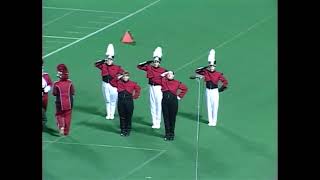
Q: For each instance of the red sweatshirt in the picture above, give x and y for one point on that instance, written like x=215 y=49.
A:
x=64 y=91
x=129 y=86
x=112 y=71
x=214 y=76
x=152 y=73
x=173 y=86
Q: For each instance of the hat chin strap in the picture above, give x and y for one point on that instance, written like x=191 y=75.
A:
x=109 y=57
x=156 y=58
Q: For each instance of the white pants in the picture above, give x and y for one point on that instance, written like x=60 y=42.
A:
x=110 y=95
x=212 y=96
x=155 y=104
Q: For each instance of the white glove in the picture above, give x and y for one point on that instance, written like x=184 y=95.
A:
x=143 y=63
x=164 y=74
x=44 y=83
x=200 y=68
x=178 y=98
x=47 y=89
x=120 y=76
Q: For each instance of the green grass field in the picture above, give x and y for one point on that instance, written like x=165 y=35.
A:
x=243 y=146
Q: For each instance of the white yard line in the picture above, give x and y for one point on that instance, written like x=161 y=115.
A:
x=98 y=22
x=84 y=27
x=60 y=37
x=74 y=32
x=224 y=43
x=104 y=145
x=106 y=27
x=142 y=165
x=56 y=19
x=85 y=10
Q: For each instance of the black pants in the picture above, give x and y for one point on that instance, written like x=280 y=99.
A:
x=125 y=110
x=44 y=117
x=169 y=110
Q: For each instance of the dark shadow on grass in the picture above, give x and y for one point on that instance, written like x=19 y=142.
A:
x=247 y=144
x=140 y=120
x=89 y=110
x=144 y=130
x=147 y=131
x=105 y=126
x=192 y=116
x=50 y=131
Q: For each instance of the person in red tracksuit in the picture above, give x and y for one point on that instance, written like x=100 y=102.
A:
x=64 y=91
x=127 y=91
x=170 y=88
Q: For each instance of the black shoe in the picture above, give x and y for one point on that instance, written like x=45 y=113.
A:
x=125 y=133
x=166 y=138
x=122 y=133
x=171 y=138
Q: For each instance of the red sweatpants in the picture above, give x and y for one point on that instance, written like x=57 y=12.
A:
x=64 y=120
x=45 y=101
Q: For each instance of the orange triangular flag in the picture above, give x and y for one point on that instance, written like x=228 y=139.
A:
x=127 y=38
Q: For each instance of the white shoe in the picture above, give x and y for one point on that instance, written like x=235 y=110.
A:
x=211 y=124
x=107 y=117
x=111 y=117
x=61 y=131
x=156 y=126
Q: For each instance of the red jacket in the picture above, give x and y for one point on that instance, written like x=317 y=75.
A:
x=214 y=76
x=47 y=78
x=64 y=91
x=173 y=86
x=129 y=86
x=112 y=70
x=152 y=73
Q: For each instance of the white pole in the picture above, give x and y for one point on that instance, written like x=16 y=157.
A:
x=198 y=125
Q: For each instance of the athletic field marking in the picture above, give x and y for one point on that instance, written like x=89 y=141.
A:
x=74 y=32
x=108 y=17
x=110 y=25
x=243 y=32
x=84 y=27
x=225 y=42
x=196 y=59
x=143 y=164
x=56 y=42
x=55 y=141
x=60 y=37
x=98 y=22
x=104 y=145
x=73 y=130
x=56 y=19
x=220 y=45
x=85 y=10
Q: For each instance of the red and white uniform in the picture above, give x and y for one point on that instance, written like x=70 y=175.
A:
x=109 y=77
x=212 y=78
x=64 y=92
x=155 y=93
x=46 y=87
